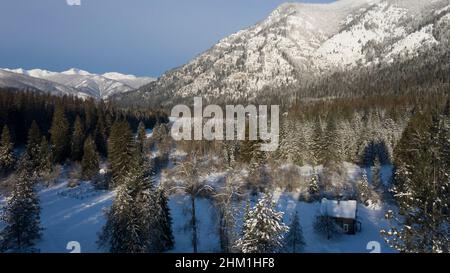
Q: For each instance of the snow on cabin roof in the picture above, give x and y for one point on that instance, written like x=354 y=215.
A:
x=339 y=209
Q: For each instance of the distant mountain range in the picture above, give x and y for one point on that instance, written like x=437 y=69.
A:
x=72 y=82
x=300 y=42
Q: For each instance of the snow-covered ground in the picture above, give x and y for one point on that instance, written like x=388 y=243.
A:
x=77 y=214
x=72 y=215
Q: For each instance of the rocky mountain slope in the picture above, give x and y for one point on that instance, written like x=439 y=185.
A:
x=300 y=42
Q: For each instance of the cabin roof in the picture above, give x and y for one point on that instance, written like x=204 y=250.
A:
x=339 y=209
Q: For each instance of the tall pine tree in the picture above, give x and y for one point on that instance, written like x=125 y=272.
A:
x=77 y=140
x=7 y=158
x=141 y=137
x=294 y=241
x=59 y=134
x=90 y=162
x=132 y=222
x=263 y=229
x=22 y=213
x=121 y=151
x=164 y=220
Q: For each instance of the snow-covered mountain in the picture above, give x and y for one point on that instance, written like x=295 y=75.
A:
x=299 y=41
x=73 y=81
x=25 y=82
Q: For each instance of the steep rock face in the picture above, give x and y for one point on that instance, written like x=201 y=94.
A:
x=298 y=42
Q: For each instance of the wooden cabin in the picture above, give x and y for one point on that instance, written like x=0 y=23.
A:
x=343 y=212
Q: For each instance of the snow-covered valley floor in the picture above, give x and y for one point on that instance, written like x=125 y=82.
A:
x=77 y=214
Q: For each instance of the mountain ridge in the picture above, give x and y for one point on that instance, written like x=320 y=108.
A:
x=298 y=42
x=74 y=81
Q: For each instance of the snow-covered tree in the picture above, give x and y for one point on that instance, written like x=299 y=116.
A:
x=132 y=222
x=294 y=241
x=22 y=212
x=193 y=186
x=363 y=189
x=225 y=199
x=7 y=158
x=313 y=187
x=264 y=229
x=421 y=189
x=377 y=181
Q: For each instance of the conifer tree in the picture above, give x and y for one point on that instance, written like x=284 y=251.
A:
x=421 y=188
x=317 y=144
x=45 y=155
x=331 y=143
x=101 y=135
x=77 y=140
x=164 y=220
x=22 y=212
x=90 y=161
x=33 y=141
x=294 y=241
x=7 y=158
x=314 y=188
x=376 y=177
x=141 y=137
x=132 y=224
x=59 y=135
x=364 y=191
x=121 y=151
x=263 y=229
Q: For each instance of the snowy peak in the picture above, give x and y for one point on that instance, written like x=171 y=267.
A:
x=130 y=80
x=73 y=81
x=76 y=71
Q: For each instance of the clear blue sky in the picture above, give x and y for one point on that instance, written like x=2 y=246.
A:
x=142 y=37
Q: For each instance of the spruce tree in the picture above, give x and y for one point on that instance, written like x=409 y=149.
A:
x=377 y=181
x=121 y=151
x=141 y=137
x=164 y=220
x=7 y=158
x=101 y=135
x=363 y=189
x=263 y=229
x=33 y=141
x=132 y=224
x=294 y=241
x=77 y=140
x=22 y=212
x=45 y=155
x=313 y=187
x=317 y=144
x=59 y=134
x=90 y=162
x=421 y=188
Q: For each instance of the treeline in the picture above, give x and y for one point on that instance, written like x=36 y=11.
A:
x=356 y=130
x=19 y=109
